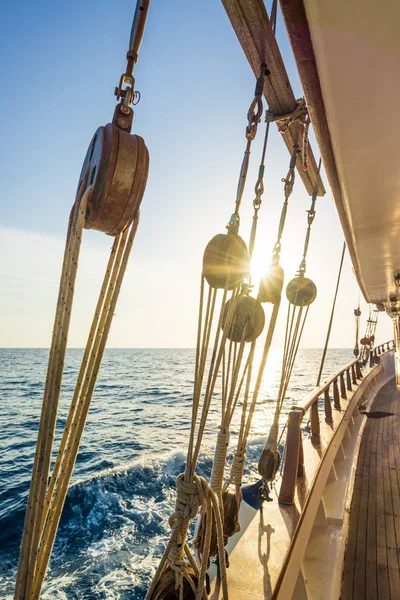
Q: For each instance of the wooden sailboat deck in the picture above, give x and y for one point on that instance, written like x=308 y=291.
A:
x=372 y=559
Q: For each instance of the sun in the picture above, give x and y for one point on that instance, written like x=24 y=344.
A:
x=259 y=265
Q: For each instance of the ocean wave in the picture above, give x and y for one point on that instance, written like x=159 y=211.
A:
x=113 y=529
x=114 y=525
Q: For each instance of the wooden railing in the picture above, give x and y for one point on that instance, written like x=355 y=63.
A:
x=336 y=388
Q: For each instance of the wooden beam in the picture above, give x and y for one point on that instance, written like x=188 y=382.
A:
x=252 y=26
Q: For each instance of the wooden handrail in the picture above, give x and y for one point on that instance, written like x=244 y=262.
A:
x=352 y=372
x=317 y=392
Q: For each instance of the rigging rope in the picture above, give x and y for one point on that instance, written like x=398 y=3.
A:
x=300 y=292
x=104 y=203
x=247 y=326
x=284 y=122
x=240 y=322
x=328 y=334
x=269 y=291
x=368 y=340
x=357 y=314
x=225 y=266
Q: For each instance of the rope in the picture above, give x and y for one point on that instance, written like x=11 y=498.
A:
x=83 y=394
x=284 y=122
x=357 y=314
x=295 y=321
x=236 y=472
x=370 y=331
x=221 y=449
x=328 y=334
x=46 y=500
x=177 y=555
x=30 y=541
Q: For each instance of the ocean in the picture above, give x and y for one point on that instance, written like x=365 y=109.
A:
x=114 y=525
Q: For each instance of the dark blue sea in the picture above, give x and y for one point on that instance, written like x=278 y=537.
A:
x=114 y=526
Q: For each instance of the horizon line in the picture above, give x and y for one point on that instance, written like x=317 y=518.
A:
x=155 y=348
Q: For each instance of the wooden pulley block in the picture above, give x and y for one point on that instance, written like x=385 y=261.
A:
x=231 y=505
x=271 y=285
x=165 y=588
x=226 y=261
x=301 y=291
x=116 y=167
x=365 y=341
x=248 y=319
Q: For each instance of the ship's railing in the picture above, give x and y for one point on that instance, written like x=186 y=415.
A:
x=336 y=388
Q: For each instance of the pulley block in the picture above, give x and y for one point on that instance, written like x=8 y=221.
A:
x=226 y=261
x=301 y=291
x=116 y=167
x=248 y=319
x=271 y=285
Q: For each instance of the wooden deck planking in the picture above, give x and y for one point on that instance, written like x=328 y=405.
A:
x=372 y=565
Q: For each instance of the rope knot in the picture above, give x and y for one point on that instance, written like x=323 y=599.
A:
x=189 y=497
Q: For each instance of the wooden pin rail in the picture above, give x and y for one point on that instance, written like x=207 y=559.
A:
x=346 y=379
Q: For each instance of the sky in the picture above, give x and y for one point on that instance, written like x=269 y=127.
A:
x=62 y=62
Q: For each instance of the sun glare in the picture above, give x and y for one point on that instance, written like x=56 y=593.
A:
x=259 y=266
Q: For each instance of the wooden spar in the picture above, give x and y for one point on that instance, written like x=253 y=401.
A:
x=252 y=26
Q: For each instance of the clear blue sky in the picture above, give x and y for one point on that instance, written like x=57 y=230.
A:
x=61 y=63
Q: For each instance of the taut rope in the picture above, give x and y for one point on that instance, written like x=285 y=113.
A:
x=328 y=333
x=300 y=292
x=109 y=194
x=226 y=264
